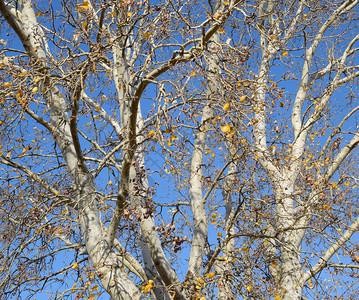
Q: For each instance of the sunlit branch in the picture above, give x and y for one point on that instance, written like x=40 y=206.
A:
x=322 y=263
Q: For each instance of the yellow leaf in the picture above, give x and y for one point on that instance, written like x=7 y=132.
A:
x=277 y=298
x=85 y=5
x=38 y=14
x=84 y=25
x=109 y=182
x=210 y=275
x=34 y=90
x=202 y=298
x=174 y=137
x=219 y=234
x=169 y=143
x=151 y=133
x=147 y=34
x=95 y=288
x=148 y=287
x=8 y=154
x=22 y=74
x=200 y=281
x=75 y=265
x=284 y=53
x=242 y=98
x=226 y=107
x=98 y=108
x=129 y=13
x=226 y=128
x=226 y=2
x=214 y=215
x=221 y=30
x=249 y=288
x=217 y=16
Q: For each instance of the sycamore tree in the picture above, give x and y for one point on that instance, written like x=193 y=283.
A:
x=179 y=149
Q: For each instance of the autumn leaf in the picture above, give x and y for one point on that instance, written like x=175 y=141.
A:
x=75 y=265
x=242 y=98
x=85 y=5
x=147 y=34
x=199 y=281
x=148 y=287
x=151 y=133
x=226 y=128
x=226 y=107
x=174 y=137
x=284 y=53
x=210 y=275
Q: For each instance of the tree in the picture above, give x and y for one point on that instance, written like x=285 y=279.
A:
x=193 y=150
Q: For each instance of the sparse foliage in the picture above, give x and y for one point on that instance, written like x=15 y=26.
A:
x=179 y=149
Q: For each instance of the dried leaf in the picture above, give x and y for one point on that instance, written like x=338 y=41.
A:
x=147 y=34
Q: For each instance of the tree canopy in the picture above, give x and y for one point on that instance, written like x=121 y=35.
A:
x=179 y=149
